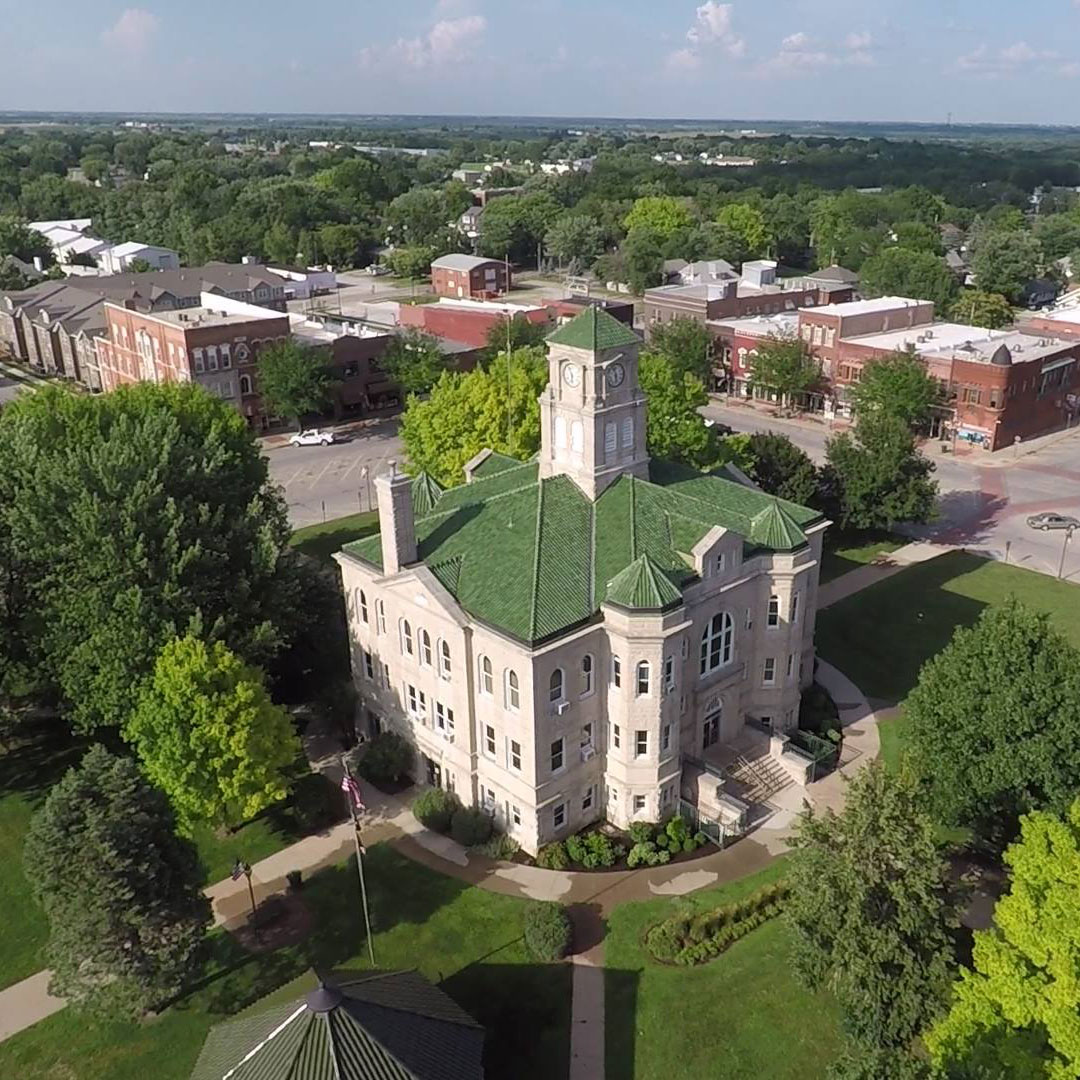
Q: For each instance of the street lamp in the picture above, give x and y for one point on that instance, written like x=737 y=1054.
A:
x=365 y=479
x=1064 y=549
x=243 y=869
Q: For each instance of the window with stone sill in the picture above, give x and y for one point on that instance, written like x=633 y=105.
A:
x=444 y=659
x=512 y=690
x=487 y=680
x=425 y=648
x=558 y=756
x=587 y=665
x=642 y=680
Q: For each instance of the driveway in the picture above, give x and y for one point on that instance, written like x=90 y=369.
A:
x=324 y=482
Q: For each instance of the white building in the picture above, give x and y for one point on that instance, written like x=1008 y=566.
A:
x=589 y=636
x=118 y=259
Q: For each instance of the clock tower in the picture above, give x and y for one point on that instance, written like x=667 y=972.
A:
x=592 y=413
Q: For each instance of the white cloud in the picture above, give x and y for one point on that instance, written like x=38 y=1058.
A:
x=448 y=41
x=801 y=52
x=712 y=29
x=1011 y=59
x=131 y=33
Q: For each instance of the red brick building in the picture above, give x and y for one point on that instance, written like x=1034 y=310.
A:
x=469 y=322
x=470 y=277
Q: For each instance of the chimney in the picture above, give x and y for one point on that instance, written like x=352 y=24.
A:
x=396 y=527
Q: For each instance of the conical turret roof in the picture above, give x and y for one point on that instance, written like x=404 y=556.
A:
x=594 y=329
x=643 y=586
x=775 y=528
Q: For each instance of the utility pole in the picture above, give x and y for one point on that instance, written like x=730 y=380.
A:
x=352 y=796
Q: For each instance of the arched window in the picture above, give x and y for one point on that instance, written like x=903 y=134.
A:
x=380 y=617
x=627 y=432
x=425 y=648
x=555 y=686
x=717 y=641
x=444 y=659
x=773 y=619
x=406 y=637
x=363 y=606
x=586 y=675
x=643 y=678
x=560 y=433
x=487 y=683
x=513 y=690
x=245 y=383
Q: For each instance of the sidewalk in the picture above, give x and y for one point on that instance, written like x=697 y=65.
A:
x=883 y=567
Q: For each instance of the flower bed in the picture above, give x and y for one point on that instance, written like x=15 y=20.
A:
x=696 y=939
x=650 y=845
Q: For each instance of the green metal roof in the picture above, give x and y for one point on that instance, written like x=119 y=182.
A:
x=536 y=557
x=354 y=1026
x=642 y=586
x=594 y=329
x=425 y=493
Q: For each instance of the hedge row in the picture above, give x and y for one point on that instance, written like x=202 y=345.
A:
x=694 y=939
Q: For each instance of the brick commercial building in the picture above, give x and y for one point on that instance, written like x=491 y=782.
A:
x=470 y=277
x=997 y=385
x=468 y=321
x=52 y=326
x=757 y=292
x=593 y=635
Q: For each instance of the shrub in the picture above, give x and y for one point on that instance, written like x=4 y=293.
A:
x=547 y=930
x=435 y=808
x=689 y=844
x=648 y=854
x=316 y=804
x=664 y=940
x=470 y=827
x=576 y=848
x=500 y=846
x=600 y=850
x=701 y=839
x=386 y=759
x=641 y=832
x=553 y=857
x=678 y=832
x=661 y=840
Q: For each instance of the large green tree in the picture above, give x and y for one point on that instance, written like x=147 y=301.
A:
x=23 y=242
x=676 y=430
x=414 y=361
x=686 y=345
x=575 y=240
x=784 y=366
x=293 y=380
x=490 y=408
x=209 y=736
x=1015 y=1011
x=515 y=225
x=121 y=891
x=876 y=477
x=662 y=213
x=979 y=308
x=1005 y=261
x=869 y=908
x=897 y=385
x=994 y=722
x=781 y=468
x=749 y=223
x=127 y=518
x=920 y=275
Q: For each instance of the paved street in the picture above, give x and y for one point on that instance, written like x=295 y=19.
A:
x=983 y=506
x=324 y=482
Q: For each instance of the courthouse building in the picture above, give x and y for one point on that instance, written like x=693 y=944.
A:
x=584 y=636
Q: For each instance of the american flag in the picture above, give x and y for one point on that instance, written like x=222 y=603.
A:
x=352 y=789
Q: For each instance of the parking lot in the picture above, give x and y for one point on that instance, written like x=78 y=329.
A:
x=324 y=482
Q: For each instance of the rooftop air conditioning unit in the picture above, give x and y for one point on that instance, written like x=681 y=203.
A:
x=562 y=707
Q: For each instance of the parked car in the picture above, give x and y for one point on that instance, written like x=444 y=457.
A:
x=312 y=437
x=1052 y=521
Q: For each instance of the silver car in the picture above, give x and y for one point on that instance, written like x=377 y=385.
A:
x=1052 y=521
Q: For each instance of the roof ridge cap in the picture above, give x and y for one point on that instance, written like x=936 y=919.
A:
x=536 y=559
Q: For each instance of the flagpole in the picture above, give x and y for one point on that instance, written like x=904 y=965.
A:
x=352 y=793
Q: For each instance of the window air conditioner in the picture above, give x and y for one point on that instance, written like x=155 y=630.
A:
x=588 y=752
x=562 y=707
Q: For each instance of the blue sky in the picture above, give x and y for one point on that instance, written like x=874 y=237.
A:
x=981 y=60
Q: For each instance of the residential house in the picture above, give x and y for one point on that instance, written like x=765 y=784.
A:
x=592 y=635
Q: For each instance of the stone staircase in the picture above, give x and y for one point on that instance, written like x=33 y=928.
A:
x=759 y=777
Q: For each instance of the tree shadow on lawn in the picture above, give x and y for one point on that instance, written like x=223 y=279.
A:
x=398 y=892
x=881 y=637
x=525 y=1010
x=33 y=767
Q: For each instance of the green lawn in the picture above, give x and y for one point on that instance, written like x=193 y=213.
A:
x=469 y=938
x=849 y=553
x=742 y=1015
x=880 y=637
x=321 y=541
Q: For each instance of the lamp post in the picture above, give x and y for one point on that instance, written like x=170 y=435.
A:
x=352 y=796
x=243 y=869
x=1064 y=549
x=365 y=479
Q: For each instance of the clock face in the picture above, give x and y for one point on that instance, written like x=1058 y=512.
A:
x=615 y=375
x=571 y=374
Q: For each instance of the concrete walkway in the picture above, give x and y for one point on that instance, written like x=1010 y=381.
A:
x=884 y=566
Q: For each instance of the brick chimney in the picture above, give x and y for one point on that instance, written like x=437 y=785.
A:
x=396 y=527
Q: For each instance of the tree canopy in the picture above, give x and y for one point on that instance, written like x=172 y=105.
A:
x=978 y=308
x=897 y=385
x=779 y=467
x=489 y=408
x=128 y=518
x=209 y=736
x=869 y=909
x=686 y=345
x=660 y=213
x=876 y=477
x=293 y=380
x=122 y=893
x=676 y=429
x=1005 y=261
x=414 y=360
x=784 y=366
x=994 y=721
x=1014 y=1011
x=899 y=271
